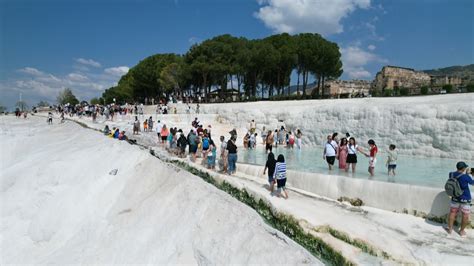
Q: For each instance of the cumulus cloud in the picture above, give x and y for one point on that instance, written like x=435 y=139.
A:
x=371 y=47
x=36 y=85
x=117 y=71
x=77 y=77
x=88 y=62
x=355 y=59
x=318 y=16
x=31 y=71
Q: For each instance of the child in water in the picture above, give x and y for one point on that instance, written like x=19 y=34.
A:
x=392 y=160
x=372 y=156
x=280 y=176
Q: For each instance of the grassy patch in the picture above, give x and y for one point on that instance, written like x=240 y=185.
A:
x=282 y=222
x=365 y=247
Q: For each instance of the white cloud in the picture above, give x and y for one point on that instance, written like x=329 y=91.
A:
x=31 y=70
x=371 y=47
x=88 y=62
x=77 y=77
x=36 y=85
x=373 y=30
x=117 y=71
x=318 y=16
x=355 y=60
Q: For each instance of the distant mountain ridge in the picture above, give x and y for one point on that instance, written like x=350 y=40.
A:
x=464 y=72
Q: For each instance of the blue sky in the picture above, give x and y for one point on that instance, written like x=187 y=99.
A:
x=87 y=45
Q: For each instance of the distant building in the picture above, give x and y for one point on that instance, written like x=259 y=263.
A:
x=439 y=81
x=346 y=88
x=338 y=88
x=391 y=77
x=228 y=94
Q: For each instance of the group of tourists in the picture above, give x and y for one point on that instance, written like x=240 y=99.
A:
x=115 y=133
x=19 y=113
x=346 y=149
x=282 y=136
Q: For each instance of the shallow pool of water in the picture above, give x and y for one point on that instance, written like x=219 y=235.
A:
x=431 y=172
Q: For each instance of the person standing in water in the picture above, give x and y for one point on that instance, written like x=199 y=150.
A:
x=270 y=165
x=372 y=156
x=391 y=160
x=264 y=135
x=352 y=150
x=343 y=150
x=330 y=152
x=269 y=141
x=299 y=135
x=253 y=126
x=291 y=140
x=280 y=176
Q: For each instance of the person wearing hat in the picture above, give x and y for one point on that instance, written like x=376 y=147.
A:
x=462 y=202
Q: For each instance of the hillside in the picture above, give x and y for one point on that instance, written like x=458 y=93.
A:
x=465 y=72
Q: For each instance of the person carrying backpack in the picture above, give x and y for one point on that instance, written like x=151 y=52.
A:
x=205 y=147
x=457 y=187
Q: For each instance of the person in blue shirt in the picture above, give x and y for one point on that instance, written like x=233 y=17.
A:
x=462 y=202
x=116 y=133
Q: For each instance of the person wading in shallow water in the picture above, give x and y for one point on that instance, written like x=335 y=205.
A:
x=330 y=152
x=352 y=150
x=372 y=156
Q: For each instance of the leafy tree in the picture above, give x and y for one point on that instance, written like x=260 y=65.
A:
x=387 y=93
x=22 y=105
x=424 y=90
x=404 y=91
x=169 y=78
x=284 y=61
x=43 y=104
x=448 y=88
x=258 y=66
x=95 y=101
x=198 y=58
x=66 y=96
x=470 y=87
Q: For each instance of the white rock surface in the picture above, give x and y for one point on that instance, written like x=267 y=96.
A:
x=60 y=205
x=431 y=126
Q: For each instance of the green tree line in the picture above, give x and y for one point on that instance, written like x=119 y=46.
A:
x=259 y=67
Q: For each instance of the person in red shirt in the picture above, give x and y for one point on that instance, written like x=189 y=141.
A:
x=372 y=156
